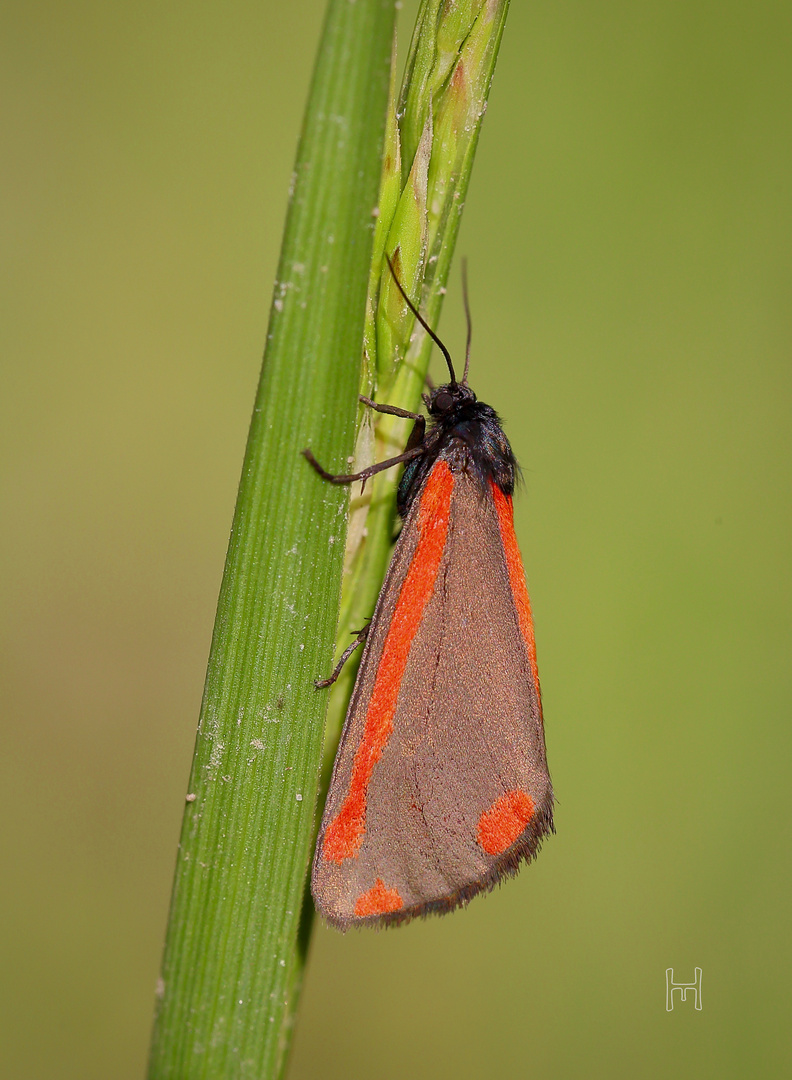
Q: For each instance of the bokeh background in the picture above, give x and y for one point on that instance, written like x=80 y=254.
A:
x=628 y=231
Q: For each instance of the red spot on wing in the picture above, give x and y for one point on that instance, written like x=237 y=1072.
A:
x=345 y=833
x=503 y=505
x=378 y=900
x=500 y=826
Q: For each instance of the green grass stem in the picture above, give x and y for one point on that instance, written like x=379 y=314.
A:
x=430 y=145
x=234 y=954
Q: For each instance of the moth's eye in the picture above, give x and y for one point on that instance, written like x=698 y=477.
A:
x=443 y=402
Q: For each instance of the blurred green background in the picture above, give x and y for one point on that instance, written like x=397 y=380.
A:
x=628 y=231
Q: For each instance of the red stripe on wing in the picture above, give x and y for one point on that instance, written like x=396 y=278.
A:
x=345 y=833
x=503 y=505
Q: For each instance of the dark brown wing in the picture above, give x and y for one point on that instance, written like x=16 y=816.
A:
x=440 y=785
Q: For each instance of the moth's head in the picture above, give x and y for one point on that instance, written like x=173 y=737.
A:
x=446 y=400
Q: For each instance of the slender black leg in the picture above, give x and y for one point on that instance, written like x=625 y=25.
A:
x=413 y=449
x=392 y=410
x=364 y=474
x=320 y=684
x=419 y=427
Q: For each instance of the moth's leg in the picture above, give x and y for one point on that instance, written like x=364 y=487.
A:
x=364 y=474
x=419 y=427
x=320 y=684
x=392 y=410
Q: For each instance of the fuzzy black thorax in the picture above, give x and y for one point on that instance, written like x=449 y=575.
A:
x=469 y=434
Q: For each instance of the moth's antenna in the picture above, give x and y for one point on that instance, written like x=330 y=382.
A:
x=423 y=323
x=466 y=300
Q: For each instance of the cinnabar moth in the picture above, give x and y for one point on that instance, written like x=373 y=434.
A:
x=440 y=786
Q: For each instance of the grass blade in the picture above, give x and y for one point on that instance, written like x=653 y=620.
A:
x=233 y=954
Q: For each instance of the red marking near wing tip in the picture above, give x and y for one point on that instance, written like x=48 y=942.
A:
x=345 y=833
x=378 y=900
x=500 y=826
x=503 y=505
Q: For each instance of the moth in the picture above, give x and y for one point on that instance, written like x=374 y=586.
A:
x=440 y=786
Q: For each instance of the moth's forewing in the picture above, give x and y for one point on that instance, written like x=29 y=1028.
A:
x=440 y=785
